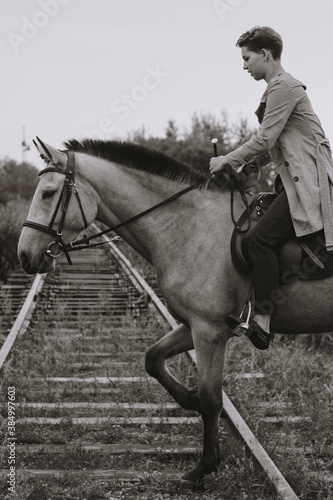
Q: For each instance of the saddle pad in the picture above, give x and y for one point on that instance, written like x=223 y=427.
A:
x=294 y=262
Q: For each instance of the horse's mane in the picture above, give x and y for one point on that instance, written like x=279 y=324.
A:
x=149 y=160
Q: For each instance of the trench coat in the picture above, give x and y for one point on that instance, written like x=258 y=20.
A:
x=291 y=135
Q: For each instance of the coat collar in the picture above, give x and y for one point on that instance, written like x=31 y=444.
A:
x=261 y=109
x=277 y=72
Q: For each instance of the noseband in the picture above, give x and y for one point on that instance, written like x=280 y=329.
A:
x=68 y=188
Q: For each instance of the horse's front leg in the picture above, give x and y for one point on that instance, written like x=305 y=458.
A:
x=175 y=342
x=210 y=352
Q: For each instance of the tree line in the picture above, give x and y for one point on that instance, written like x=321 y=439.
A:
x=194 y=146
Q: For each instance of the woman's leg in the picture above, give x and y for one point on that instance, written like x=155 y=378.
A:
x=270 y=233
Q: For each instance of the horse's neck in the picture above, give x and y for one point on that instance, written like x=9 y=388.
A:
x=123 y=193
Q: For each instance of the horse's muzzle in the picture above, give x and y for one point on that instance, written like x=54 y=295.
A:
x=44 y=265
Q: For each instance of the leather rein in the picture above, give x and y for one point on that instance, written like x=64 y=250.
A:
x=68 y=188
x=235 y=186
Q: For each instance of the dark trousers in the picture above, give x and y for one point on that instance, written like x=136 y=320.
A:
x=270 y=233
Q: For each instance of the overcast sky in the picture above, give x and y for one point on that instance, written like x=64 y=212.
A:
x=104 y=68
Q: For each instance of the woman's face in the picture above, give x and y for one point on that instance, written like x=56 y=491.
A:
x=254 y=63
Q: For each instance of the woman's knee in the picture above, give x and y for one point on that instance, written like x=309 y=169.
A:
x=258 y=240
x=260 y=248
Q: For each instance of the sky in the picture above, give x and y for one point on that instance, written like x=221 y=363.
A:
x=105 y=68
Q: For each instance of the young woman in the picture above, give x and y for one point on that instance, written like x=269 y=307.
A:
x=290 y=135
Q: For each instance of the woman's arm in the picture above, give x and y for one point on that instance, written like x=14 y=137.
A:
x=281 y=100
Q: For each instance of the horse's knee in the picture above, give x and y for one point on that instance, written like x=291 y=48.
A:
x=211 y=407
x=151 y=360
x=211 y=399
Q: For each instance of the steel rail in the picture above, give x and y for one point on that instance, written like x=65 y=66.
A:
x=239 y=426
x=22 y=320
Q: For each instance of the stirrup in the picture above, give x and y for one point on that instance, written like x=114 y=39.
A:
x=242 y=328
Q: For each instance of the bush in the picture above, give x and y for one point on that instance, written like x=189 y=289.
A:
x=18 y=183
x=12 y=216
x=16 y=180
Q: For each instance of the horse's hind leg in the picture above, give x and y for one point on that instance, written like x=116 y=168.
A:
x=175 y=342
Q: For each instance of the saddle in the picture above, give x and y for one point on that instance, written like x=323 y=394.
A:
x=302 y=258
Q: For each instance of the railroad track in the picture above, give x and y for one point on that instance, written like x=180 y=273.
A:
x=13 y=294
x=85 y=410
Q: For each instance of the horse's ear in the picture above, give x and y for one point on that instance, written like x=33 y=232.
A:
x=50 y=154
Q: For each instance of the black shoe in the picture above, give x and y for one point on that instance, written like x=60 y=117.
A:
x=259 y=338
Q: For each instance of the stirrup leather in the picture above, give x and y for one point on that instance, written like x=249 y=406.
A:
x=243 y=328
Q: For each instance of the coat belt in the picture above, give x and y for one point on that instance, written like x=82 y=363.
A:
x=325 y=193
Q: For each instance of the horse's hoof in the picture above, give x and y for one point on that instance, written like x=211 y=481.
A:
x=195 y=476
x=185 y=485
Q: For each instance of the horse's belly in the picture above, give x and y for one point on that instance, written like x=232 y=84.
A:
x=305 y=307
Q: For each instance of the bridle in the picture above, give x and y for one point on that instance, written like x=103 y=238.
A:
x=69 y=187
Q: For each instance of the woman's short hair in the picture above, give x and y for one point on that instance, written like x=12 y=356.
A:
x=262 y=37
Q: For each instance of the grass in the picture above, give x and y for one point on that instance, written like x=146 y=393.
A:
x=300 y=378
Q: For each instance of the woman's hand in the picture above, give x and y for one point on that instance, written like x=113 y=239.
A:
x=216 y=164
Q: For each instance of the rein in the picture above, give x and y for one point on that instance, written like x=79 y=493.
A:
x=63 y=202
x=85 y=240
x=69 y=187
x=235 y=185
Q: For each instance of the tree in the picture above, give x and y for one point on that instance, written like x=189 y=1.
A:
x=12 y=216
x=171 y=132
x=16 y=180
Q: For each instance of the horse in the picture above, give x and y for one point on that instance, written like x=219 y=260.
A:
x=187 y=240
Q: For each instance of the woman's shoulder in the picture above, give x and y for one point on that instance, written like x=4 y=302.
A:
x=283 y=78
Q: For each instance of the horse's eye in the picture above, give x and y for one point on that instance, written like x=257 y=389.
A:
x=48 y=194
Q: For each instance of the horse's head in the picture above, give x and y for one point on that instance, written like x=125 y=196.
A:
x=58 y=213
